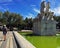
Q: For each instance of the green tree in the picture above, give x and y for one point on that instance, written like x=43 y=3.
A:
x=28 y=23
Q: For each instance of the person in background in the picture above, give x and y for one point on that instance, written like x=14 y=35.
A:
x=4 y=29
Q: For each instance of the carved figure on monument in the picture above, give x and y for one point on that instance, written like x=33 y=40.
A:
x=44 y=23
x=51 y=16
x=47 y=6
x=43 y=5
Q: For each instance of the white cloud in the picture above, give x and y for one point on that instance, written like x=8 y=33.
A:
x=52 y=1
x=36 y=10
x=4 y=9
x=1 y=8
x=56 y=10
x=1 y=1
x=43 y=0
x=4 y=4
x=30 y=15
x=33 y=5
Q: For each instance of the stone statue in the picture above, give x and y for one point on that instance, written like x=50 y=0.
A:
x=43 y=5
x=44 y=23
x=47 y=6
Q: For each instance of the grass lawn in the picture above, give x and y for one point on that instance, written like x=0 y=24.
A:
x=42 y=41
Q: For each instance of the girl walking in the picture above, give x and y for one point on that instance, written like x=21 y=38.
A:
x=4 y=29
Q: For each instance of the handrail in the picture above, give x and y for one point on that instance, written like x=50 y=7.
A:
x=23 y=43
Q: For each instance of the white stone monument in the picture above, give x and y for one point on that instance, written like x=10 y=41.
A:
x=44 y=23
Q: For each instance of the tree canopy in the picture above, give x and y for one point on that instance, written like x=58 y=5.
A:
x=16 y=20
x=10 y=18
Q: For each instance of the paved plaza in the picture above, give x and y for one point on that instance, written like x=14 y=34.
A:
x=9 y=43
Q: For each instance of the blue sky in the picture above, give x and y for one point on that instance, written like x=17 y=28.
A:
x=28 y=8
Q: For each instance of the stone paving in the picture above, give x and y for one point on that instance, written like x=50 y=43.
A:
x=1 y=38
x=9 y=43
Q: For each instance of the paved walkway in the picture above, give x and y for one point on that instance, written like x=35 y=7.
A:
x=9 y=43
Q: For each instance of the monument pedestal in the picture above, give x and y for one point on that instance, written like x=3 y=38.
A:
x=45 y=27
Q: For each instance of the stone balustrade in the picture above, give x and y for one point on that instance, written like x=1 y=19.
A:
x=23 y=43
